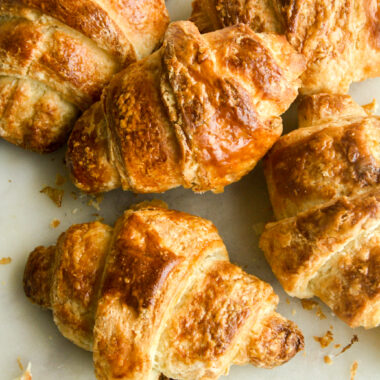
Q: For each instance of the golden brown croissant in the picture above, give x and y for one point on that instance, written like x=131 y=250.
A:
x=56 y=56
x=157 y=294
x=200 y=112
x=340 y=39
x=324 y=180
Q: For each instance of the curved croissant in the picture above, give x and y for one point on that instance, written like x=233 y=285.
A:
x=200 y=112
x=323 y=181
x=340 y=39
x=157 y=294
x=56 y=57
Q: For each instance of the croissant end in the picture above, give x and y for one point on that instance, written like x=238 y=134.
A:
x=37 y=275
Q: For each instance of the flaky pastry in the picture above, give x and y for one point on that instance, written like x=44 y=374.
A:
x=340 y=39
x=157 y=294
x=56 y=57
x=323 y=181
x=200 y=112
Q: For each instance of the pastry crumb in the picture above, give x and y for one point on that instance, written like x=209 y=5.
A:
x=324 y=340
x=5 y=260
x=287 y=301
x=294 y=312
x=354 y=339
x=327 y=360
x=9 y=180
x=27 y=375
x=60 y=180
x=308 y=304
x=20 y=364
x=74 y=211
x=56 y=195
x=74 y=195
x=320 y=313
x=337 y=346
x=95 y=203
x=354 y=369
x=55 y=223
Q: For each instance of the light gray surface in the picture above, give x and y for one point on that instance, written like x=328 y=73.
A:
x=25 y=215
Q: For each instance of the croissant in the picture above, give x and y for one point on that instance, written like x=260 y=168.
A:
x=56 y=56
x=157 y=294
x=323 y=181
x=200 y=112
x=339 y=39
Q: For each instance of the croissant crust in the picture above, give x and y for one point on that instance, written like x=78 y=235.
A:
x=200 y=112
x=157 y=294
x=323 y=181
x=56 y=56
x=340 y=39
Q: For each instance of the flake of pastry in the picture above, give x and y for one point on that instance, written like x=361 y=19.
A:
x=56 y=195
x=320 y=313
x=324 y=340
x=55 y=223
x=327 y=359
x=20 y=363
x=354 y=369
x=354 y=339
x=308 y=304
x=5 y=260
x=27 y=375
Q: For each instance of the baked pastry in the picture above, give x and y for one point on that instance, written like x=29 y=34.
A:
x=340 y=40
x=200 y=112
x=323 y=182
x=56 y=56
x=335 y=153
x=157 y=294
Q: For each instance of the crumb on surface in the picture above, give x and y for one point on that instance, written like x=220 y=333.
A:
x=354 y=369
x=55 y=223
x=74 y=195
x=320 y=313
x=27 y=375
x=287 y=301
x=9 y=180
x=74 y=211
x=337 y=346
x=308 y=304
x=95 y=202
x=56 y=195
x=354 y=339
x=294 y=312
x=324 y=340
x=327 y=359
x=5 y=260
x=20 y=364
x=60 y=180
